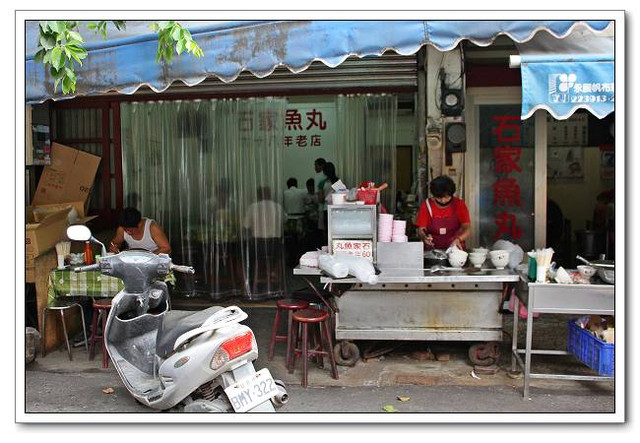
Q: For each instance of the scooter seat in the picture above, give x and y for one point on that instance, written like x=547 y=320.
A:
x=176 y=323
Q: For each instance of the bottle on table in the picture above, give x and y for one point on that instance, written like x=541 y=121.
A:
x=88 y=253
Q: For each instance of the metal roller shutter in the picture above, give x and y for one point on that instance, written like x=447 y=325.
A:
x=390 y=71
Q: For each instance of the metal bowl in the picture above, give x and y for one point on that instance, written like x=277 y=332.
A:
x=435 y=257
x=606 y=271
x=607 y=275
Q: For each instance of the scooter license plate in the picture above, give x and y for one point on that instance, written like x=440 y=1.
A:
x=252 y=391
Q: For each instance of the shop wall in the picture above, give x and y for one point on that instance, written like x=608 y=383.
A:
x=298 y=160
x=577 y=198
x=436 y=162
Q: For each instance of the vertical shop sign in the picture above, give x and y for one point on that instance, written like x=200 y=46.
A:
x=507 y=171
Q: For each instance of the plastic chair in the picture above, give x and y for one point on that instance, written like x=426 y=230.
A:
x=61 y=306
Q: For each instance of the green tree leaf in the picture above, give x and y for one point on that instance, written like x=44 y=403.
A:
x=176 y=32
x=75 y=36
x=69 y=73
x=180 y=47
x=57 y=57
x=47 y=41
x=53 y=26
x=39 y=56
x=68 y=85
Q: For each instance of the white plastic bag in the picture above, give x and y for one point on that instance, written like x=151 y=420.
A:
x=359 y=267
x=516 y=253
x=309 y=259
x=332 y=266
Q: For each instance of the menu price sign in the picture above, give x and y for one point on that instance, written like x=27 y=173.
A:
x=356 y=248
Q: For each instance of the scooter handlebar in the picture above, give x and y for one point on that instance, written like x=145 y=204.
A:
x=87 y=268
x=183 y=269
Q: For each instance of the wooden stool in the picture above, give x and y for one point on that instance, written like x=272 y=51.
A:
x=100 y=312
x=315 y=317
x=291 y=305
x=61 y=306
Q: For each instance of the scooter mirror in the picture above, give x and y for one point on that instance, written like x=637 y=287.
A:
x=79 y=233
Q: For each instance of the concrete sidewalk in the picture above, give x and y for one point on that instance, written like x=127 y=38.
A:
x=404 y=369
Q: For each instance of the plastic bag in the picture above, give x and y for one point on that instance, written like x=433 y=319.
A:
x=359 y=267
x=516 y=253
x=331 y=266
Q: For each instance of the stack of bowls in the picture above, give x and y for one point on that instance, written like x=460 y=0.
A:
x=457 y=258
x=499 y=258
x=385 y=227
x=398 y=233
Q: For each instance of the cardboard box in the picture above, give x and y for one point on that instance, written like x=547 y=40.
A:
x=65 y=184
x=68 y=178
x=40 y=212
x=43 y=235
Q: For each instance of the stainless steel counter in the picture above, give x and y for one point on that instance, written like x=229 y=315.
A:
x=467 y=275
x=559 y=299
x=417 y=304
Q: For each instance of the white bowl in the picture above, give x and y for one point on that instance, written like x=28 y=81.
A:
x=457 y=258
x=457 y=261
x=484 y=251
x=477 y=259
x=587 y=271
x=499 y=258
x=497 y=252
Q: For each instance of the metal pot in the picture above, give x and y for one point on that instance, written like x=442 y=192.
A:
x=435 y=257
x=606 y=269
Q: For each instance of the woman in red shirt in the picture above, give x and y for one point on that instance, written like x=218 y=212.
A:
x=443 y=220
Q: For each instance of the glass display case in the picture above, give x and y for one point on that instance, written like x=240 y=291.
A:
x=353 y=229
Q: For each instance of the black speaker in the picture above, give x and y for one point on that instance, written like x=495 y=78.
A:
x=455 y=136
x=451 y=102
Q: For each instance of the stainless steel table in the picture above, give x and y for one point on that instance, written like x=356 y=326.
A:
x=554 y=298
x=416 y=304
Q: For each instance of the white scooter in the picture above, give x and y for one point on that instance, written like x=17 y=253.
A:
x=190 y=361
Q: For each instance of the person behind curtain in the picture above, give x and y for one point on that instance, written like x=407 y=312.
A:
x=139 y=233
x=294 y=198
x=443 y=220
x=324 y=195
x=264 y=217
x=311 y=215
x=319 y=180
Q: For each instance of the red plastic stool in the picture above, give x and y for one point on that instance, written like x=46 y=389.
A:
x=306 y=317
x=291 y=305
x=100 y=312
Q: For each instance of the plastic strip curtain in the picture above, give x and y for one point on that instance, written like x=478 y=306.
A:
x=196 y=168
x=367 y=142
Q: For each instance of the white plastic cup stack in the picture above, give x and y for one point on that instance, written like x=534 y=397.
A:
x=399 y=229
x=385 y=227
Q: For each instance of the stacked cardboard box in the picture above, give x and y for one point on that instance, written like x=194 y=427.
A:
x=63 y=186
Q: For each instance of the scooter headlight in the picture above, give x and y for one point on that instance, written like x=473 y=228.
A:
x=232 y=348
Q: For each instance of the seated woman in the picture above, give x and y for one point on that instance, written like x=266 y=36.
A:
x=139 y=233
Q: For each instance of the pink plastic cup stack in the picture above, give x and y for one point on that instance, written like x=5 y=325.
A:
x=398 y=234
x=385 y=227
